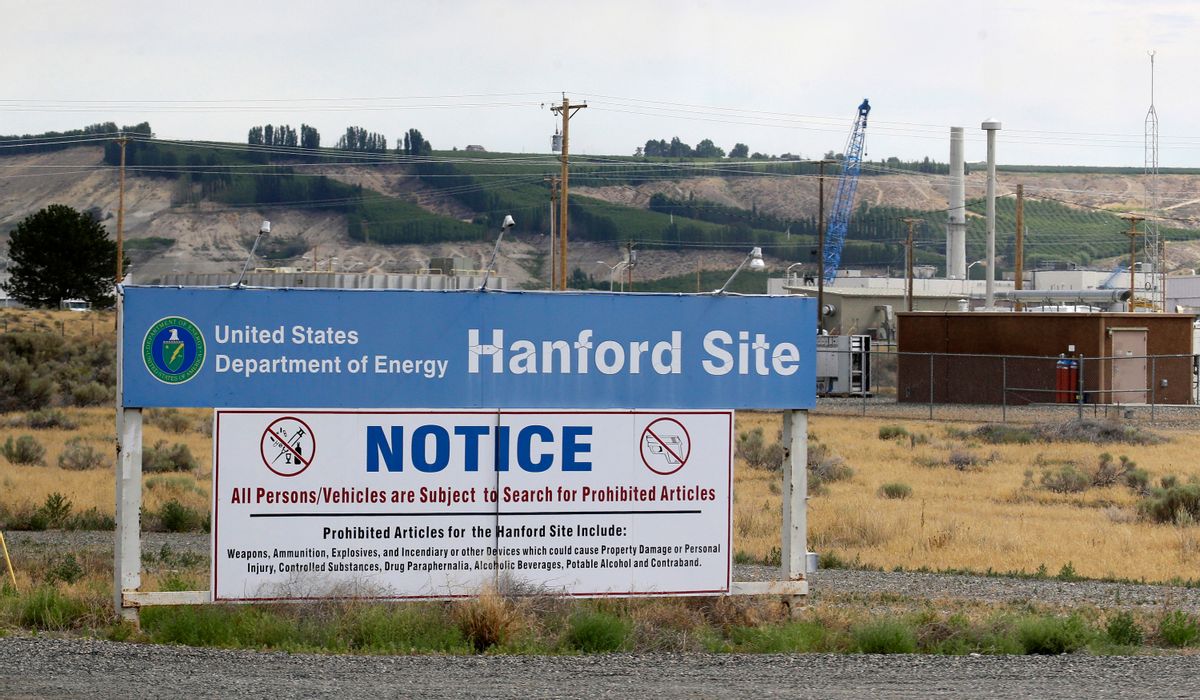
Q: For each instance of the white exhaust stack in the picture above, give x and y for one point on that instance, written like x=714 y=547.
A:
x=956 y=227
x=991 y=126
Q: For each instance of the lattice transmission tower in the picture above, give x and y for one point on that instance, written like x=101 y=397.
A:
x=1154 y=274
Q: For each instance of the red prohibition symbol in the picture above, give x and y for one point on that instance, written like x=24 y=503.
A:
x=288 y=446
x=665 y=446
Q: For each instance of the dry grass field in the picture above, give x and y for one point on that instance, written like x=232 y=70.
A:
x=991 y=515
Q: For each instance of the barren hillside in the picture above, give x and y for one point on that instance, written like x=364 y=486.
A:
x=791 y=197
x=210 y=237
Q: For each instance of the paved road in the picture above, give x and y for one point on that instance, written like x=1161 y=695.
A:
x=44 y=667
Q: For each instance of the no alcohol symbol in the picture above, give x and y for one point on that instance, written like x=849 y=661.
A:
x=288 y=446
x=665 y=446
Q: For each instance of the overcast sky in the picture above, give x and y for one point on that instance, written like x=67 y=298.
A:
x=1070 y=80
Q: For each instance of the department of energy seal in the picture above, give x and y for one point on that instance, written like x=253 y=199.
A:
x=173 y=350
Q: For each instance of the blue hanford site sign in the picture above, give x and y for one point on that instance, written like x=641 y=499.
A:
x=320 y=348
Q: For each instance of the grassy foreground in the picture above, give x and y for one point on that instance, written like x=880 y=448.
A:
x=495 y=623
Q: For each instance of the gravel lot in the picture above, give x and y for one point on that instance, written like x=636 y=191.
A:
x=42 y=666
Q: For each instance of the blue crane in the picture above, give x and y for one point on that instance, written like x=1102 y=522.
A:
x=843 y=202
x=1117 y=272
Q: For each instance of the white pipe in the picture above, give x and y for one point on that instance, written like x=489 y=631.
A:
x=956 y=227
x=1059 y=295
x=991 y=126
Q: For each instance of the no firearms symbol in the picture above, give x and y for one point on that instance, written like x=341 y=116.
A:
x=665 y=446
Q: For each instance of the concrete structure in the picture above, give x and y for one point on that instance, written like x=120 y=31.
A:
x=867 y=305
x=337 y=280
x=1183 y=294
x=1071 y=277
x=958 y=353
x=956 y=227
x=991 y=126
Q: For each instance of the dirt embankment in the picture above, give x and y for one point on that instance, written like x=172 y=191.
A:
x=793 y=197
x=210 y=237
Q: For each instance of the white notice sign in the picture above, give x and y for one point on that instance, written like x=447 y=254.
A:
x=436 y=504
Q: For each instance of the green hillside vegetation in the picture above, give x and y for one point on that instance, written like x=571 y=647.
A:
x=215 y=172
x=1054 y=231
x=492 y=185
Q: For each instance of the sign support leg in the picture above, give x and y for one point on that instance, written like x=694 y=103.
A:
x=794 y=546
x=127 y=549
x=127 y=564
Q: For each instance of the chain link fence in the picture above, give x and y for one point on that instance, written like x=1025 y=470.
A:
x=1011 y=388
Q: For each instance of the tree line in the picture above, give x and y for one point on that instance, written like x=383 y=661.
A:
x=284 y=135
x=58 y=140
x=356 y=138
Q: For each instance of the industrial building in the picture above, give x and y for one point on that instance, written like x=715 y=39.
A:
x=856 y=305
x=1121 y=358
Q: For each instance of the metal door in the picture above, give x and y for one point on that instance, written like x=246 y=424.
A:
x=1129 y=375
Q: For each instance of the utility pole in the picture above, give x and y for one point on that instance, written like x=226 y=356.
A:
x=821 y=246
x=908 y=262
x=566 y=110
x=1133 y=233
x=121 y=141
x=1020 y=252
x=553 y=231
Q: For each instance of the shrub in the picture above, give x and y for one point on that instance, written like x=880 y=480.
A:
x=79 y=455
x=176 y=517
x=891 y=432
x=1091 y=431
x=1068 y=573
x=597 y=632
x=1067 y=479
x=56 y=509
x=1098 y=432
x=487 y=620
x=1124 y=630
x=895 y=490
x=884 y=637
x=824 y=468
x=49 y=418
x=1178 y=629
x=90 y=394
x=753 y=448
x=1052 y=635
x=161 y=458
x=1109 y=473
x=24 y=387
x=963 y=460
x=169 y=420
x=1000 y=434
x=67 y=570
x=1175 y=504
x=90 y=519
x=25 y=450
x=1138 y=481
